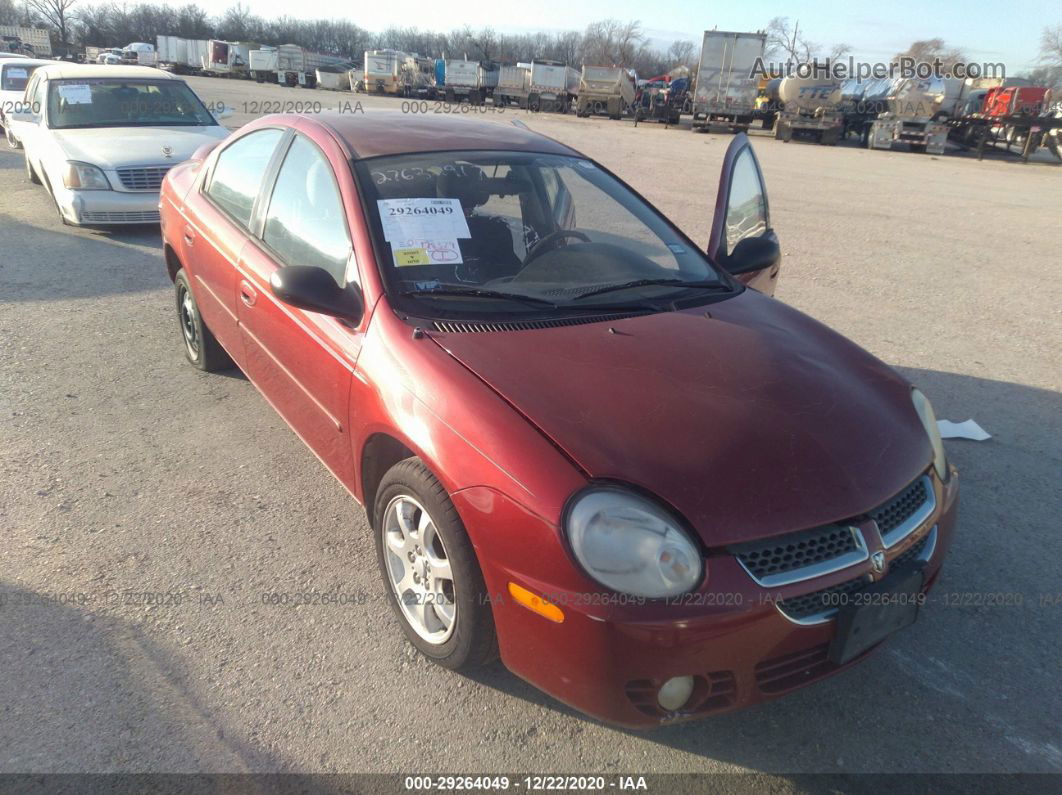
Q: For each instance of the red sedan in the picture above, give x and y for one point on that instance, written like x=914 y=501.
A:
x=582 y=443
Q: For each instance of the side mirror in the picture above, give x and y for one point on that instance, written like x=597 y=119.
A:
x=314 y=289
x=29 y=117
x=753 y=254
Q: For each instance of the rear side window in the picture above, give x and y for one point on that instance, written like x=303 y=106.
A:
x=237 y=176
x=306 y=224
x=15 y=77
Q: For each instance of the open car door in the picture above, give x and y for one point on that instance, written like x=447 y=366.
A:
x=742 y=241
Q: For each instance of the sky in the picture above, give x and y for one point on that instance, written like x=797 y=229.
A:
x=986 y=31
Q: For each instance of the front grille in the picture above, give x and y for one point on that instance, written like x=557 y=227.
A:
x=788 y=671
x=477 y=327
x=711 y=692
x=904 y=512
x=143 y=178
x=823 y=604
x=147 y=216
x=802 y=555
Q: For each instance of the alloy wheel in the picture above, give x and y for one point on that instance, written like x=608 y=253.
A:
x=418 y=569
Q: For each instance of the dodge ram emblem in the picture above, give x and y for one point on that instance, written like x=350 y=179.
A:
x=877 y=562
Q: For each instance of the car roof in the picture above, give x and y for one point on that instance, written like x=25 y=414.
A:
x=65 y=71
x=24 y=62
x=378 y=133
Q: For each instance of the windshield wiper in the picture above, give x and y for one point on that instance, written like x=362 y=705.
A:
x=479 y=292
x=652 y=283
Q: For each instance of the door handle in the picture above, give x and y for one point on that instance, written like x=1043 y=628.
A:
x=189 y=237
x=247 y=293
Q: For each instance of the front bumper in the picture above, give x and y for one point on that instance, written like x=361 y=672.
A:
x=609 y=656
x=107 y=207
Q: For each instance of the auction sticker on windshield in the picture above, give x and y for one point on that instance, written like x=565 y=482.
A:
x=422 y=219
x=426 y=252
x=76 y=93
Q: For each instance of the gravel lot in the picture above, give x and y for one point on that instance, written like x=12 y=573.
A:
x=122 y=468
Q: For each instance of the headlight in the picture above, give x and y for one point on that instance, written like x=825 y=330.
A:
x=630 y=545
x=929 y=422
x=83 y=176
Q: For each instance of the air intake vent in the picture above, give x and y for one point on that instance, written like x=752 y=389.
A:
x=474 y=327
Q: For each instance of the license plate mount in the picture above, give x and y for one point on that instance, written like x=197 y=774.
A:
x=878 y=611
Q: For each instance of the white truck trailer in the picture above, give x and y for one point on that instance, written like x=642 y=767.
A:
x=462 y=80
x=228 y=58
x=291 y=65
x=726 y=85
x=382 y=71
x=36 y=39
x=539 y=85
x=605 y=90
x=179 y=55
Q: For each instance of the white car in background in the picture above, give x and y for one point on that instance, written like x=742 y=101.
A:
x=14 y=75
x=101 y=138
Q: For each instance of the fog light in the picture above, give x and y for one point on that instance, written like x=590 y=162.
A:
x=675 y=693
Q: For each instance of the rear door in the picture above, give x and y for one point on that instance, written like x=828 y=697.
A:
x=302 y=361
x=217 y=225
x=741 y=228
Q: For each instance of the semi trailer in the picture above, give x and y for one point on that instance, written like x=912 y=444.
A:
x=726 y=81
x=607 y=90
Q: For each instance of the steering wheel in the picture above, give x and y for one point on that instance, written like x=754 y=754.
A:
x=546 y=243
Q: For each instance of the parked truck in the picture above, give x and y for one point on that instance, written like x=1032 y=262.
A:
x=539 y=85
x=382 y=71
x=917 y=114
x=37 y=40
x=181 y=56
x=810 y=108
x=607 y=90
x=291 y=65
x=459 y=80
x=726 y=84
x=228 y=58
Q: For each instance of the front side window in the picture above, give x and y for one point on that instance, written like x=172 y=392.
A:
x=305 y=224
x=238 y=173
x=114 y=102
x=514 y=232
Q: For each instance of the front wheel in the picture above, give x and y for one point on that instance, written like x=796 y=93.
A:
x=430 y=570
x=200 y=346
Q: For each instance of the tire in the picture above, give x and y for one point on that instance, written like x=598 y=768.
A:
x=31 y=175
x=918 y=148
x=201 y=348
x=410 y=490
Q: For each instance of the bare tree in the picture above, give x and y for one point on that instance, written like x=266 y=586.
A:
x=8 y=13
x=486 y=44
x=680 y=53
x=787 y=42
x=1051 y=46
x=55 y=13
x=931 y=50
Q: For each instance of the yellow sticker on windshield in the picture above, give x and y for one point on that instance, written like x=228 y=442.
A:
x=411 y=256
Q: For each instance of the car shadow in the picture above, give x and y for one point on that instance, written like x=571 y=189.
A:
x=85 y=691
x=82 y=263
x=963 y=688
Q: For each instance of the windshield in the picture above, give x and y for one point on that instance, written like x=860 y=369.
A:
x=511 y=232
x=14 y=77
x=109 y=102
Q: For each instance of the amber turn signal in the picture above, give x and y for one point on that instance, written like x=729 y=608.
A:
x=535 y=603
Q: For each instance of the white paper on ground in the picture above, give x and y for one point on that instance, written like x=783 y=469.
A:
x=962 y=430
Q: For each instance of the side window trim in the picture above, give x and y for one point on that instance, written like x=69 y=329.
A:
x=204 y=185
x=258 y=217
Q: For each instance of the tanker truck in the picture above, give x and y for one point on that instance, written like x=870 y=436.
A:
x=917 y=110
x=810 y=108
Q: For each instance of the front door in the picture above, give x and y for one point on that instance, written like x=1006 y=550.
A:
x=742 y=222
x=302 y=361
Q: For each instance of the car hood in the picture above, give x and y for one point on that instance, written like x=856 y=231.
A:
x=750 y=419
x=116 y=147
